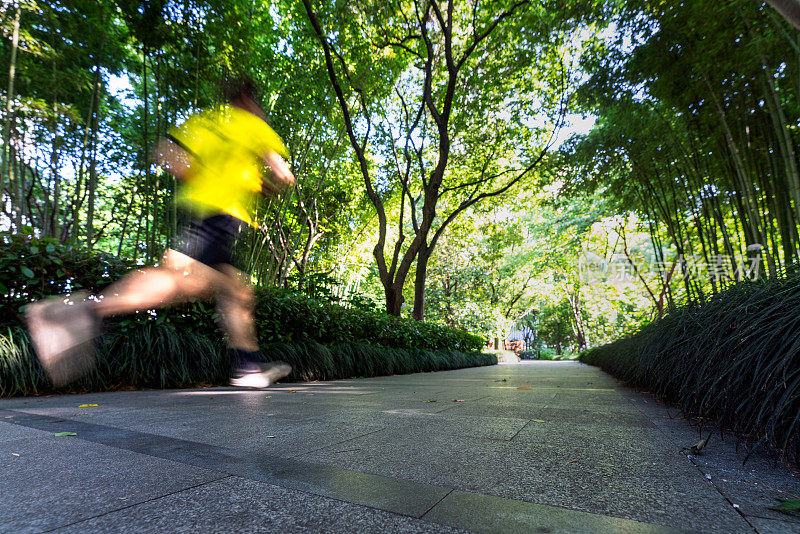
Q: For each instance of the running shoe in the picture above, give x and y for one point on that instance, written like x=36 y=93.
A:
x=63 y=329
x=261 y=375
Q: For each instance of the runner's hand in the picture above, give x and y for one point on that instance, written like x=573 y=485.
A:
x=278 y=177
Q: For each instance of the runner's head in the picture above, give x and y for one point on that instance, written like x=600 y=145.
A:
x=242 y=92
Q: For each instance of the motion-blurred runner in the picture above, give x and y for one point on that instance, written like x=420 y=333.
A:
x=219 y=156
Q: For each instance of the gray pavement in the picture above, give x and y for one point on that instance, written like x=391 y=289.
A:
x=530 y=447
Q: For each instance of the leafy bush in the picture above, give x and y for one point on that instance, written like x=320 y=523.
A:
x=27 y=265
x=31 y=269
x=182 y=345
x=286 y=316
x=734 y=359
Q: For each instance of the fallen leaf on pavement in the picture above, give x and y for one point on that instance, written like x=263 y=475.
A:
x=524 y=387
x=573 y=461
x=538 y=421
x=65 y=434
x=431 y=400
x=268 y=397
x=88 y=405
x=292 y=391
x=458 y=400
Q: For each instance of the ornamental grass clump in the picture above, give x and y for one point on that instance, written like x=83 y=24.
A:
x=733 y=359
x=160 y=356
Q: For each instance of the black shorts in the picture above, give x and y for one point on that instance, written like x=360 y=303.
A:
x=210 y=240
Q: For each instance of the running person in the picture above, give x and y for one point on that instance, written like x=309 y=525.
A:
x=218 y=156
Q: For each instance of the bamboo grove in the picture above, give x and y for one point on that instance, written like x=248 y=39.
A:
x=697 y=132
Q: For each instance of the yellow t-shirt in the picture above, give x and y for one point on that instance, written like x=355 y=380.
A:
x=226 y=145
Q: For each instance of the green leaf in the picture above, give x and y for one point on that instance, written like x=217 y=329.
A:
x=50 y=248
x=65 y=434
x=788 y=505
x=27 y=272
x=34 y=249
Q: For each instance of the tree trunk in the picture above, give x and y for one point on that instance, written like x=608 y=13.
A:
x=92 y=183
x=145 y=161
x=577 y=317
x=7 y=151
x=420 y=278
x=53 y=218
x=394 y=298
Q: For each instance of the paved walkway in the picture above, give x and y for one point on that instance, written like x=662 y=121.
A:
x=533 y=447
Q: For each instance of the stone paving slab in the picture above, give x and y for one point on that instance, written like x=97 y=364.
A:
x=537 y=445
x=647 y=489
x=236 y=504
x=772 y=526
x=56 y=480
x=470 y=510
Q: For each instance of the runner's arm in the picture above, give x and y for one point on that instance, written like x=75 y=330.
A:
x=173 y=158
x=278 y=177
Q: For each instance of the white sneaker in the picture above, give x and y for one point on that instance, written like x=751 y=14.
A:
x=265 y=376
x=62 y=330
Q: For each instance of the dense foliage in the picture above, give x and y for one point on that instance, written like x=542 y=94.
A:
x=281 y=315
x=697 y=134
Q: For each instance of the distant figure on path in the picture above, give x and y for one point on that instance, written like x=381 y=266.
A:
x=218 y=155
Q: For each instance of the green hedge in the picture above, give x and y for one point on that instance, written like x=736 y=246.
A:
x=160 y=356
x=33 y=269
x=288 y=317
x=182 y=345
x=734 y=360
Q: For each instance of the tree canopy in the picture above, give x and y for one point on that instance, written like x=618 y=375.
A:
x=440 y=171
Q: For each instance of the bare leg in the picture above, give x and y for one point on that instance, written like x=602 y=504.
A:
x=235 y=303
x=178 y=279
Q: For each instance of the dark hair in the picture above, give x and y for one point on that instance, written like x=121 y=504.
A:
x=242 y=92
x=236 y=88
